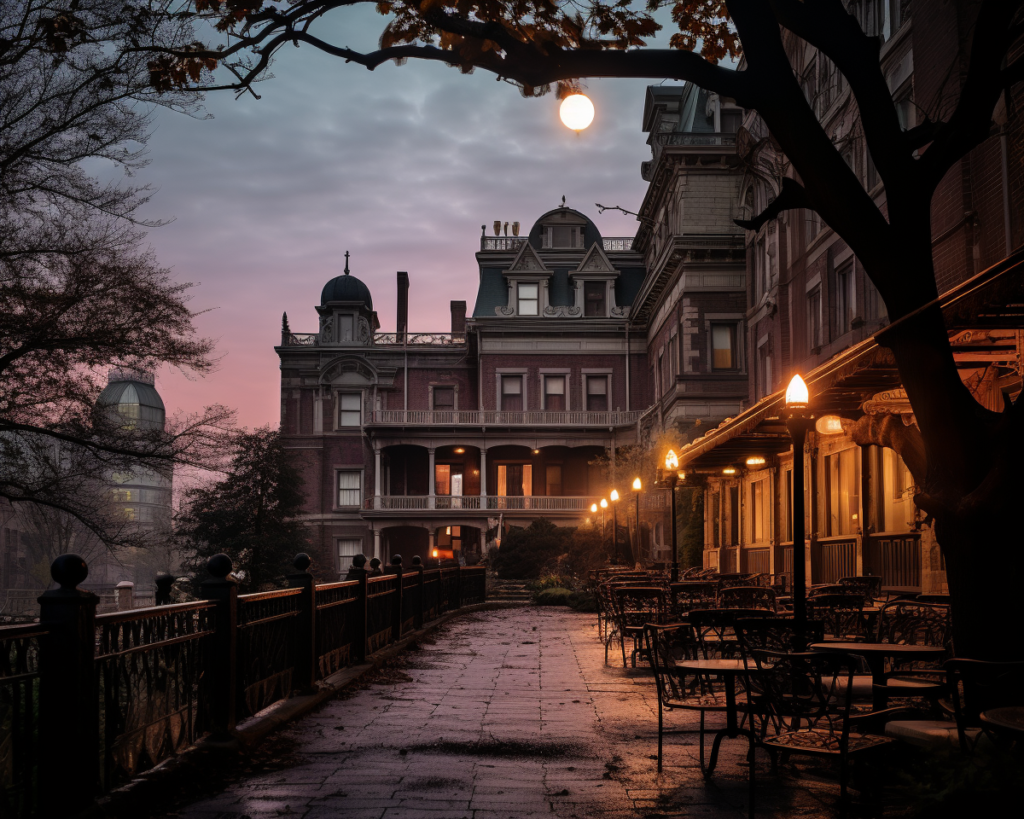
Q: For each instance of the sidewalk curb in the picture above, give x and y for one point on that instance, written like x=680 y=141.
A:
x=256 y=729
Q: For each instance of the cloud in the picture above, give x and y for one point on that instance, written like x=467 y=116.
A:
x=401 y=166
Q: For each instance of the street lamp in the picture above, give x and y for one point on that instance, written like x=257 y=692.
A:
x=615 y=520
x=672 y=475
x=637 y=486
x=798 y=421
x=576 y=112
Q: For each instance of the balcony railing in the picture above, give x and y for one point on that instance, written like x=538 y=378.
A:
x=528 y=503
x=386 y=340
x=512 y=244
x=537 y=418
x=694 y=139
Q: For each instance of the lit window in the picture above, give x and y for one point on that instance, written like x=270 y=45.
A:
x=512 y=393
x=348 y=488
x=723 y=347
x=528 y=299
x=597 y=393
x=554 y=393
x=843 y=491
x=593 y=298
x=129 y=513
x=349 y=414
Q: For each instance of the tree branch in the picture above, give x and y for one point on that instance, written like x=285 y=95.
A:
x=791 y=197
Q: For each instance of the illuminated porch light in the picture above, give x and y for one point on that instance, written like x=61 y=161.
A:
x=459 y=450
x=829 y=425
x=797 y=394
x=755 y=460
x=614 y=495
x=536 y=452
x=671 y=461
x=637 y=486
x=576 y=112
x=729 y=470
x=434 y=553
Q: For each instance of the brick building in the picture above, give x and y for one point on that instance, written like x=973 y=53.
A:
x=416 y=442
x=811 y=309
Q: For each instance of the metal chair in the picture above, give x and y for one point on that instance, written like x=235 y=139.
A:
x=912 y=623
x=869 y=585
x=665 y=645
x=715 y=633
x=634 y=607
x=841 y=614
x=808 y=695
x=976 y=686
x=747 y=597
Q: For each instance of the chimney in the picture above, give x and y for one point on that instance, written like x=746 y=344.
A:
x=403 y=303
x=458 y=318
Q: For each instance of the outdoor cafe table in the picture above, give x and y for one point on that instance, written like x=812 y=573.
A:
x=875 y=654
x=728 y=670
x=1007 y=721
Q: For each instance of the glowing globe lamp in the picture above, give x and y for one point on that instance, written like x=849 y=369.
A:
x=671 y=461
x=637 y=485
x=796 y=393
x=614 y=495
x=577 y=112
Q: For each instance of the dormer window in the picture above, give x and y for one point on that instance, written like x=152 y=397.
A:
x=594 y=294
x=563 y=236
x=529 y=299
x=346 y=327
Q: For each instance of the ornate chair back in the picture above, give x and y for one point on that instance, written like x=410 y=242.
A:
x=735 y=579
x=977 y=685
x=777 y=634
x=841 y=614
x=714 y=631
x=665 y=645
x=636 y=606
x=915 y=624
x=747 y=597
x=869 y=585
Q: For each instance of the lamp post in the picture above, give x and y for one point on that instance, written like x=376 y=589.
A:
x=798 y=421
x=637 y=486
x=615 y=520
x=672 y=477
x=604 y=529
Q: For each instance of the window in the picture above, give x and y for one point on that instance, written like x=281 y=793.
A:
x=563 y=236
x=760 y=270
x=814 y=340
x=553 y=480
x=905 y=110
x=515 y=480
x=813 y=222
x=123 y=495
x=874 y=307
x=444 y=398
x=897 y=494
x=842 y=479
x=663 y=371
x=345 y=328
x=442 y=479
x=593 y=298
x=129 y=513
x=673 y=354
x=764 y=371
x=554 y=393
x=512 y=393
x=844 y=297
x=347 y=549
x=597 y=393
x=348 y=488
x=758 y=512
x=723 y=347
x=528 y=300
x=349 y=409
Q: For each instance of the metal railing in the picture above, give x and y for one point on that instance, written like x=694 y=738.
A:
x=672 y=139
x=532 y=503
x=533 y=418
x=149 y=665
x=611 y=244
x=102 y=698
x=419 y=339
x=19 y=719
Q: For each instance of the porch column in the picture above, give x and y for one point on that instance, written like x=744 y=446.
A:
x=430 y=484
x=483 y=539
x=430 y=541
x=376 y=543
x=483 y=476
x=376 y=478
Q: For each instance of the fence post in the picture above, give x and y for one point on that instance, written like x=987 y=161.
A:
x=68 y=701
x=222 y=590
x=164 y=584
x=305 y=624
x=417 y=564
x=458 y=586
x=396 y=621
x=358 y=571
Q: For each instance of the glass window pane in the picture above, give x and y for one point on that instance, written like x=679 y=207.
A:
x=722 y=347
x=444 y=398
x=442 y=479
x=554 y=393
x=512 y=393
x=349 y=410
x=597 y=393
x=593 y=298
x=528 y=300
x=348 y=488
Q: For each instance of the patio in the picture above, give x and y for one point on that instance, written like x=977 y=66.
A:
x=509 y=714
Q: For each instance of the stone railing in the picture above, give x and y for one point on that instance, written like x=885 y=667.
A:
x=512 y=244
x=537 y=418
x=419 y=339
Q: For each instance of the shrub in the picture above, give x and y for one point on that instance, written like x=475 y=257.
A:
x=525 y=552
x=550 y=581
x=553 y=597
x=582 y=601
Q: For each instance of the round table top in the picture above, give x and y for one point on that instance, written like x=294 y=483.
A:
x=889 y=649
x=719 y=665
x=1009 y=719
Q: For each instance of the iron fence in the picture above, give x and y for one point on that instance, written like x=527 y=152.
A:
x=149 y=667
x=19 y=719
x=107 y=697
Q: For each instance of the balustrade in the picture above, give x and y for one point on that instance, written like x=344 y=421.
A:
x=535 y=418
x=463 y=503
x=148 y=683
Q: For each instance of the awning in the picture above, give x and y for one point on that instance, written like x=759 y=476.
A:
x=984 y=315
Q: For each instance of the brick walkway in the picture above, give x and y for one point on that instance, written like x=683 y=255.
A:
x=508 y=715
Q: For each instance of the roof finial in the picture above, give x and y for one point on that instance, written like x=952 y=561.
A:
x=346 y=263
x=563 y=200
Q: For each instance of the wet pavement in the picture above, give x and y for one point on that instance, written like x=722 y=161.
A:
x=509 y=715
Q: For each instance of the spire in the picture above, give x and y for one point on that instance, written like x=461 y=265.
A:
x=346 y=263
x=284 y=323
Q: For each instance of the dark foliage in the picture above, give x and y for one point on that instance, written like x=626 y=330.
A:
x=248 y=516
x=524 y=553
